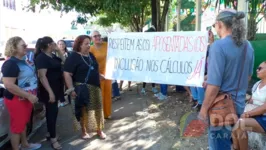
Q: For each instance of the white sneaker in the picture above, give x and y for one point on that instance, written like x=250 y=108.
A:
x=143 y=91
x=154 y=90
x=158 y=95
x=196 y=105
x=31 y=147
x=162 y=97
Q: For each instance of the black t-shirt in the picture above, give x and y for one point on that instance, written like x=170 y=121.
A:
x=23 y=72
x=75 y=64
x=54 y=75
x=10 y=69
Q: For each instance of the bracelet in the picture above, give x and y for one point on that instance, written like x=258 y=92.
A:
x=68 y=91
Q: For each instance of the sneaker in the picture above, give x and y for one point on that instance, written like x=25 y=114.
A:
x=143 y=91
x=162 y=97
x=195 y=104
x=31 y=147
x=158 y=95
x=154 y=90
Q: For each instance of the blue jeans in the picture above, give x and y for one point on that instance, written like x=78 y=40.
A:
x=219 y=138
x=198 y=94
x=115 y=89
x=164 y=88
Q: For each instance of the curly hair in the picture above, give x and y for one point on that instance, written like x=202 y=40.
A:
x=233 y=20
x=11 y=46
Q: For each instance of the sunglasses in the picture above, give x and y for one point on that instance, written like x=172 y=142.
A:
x=95 y=36
x=260 y=68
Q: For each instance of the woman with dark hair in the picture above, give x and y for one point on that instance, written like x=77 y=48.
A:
x=254 y=117
x=63 y=49
x=51 y=84
x=82 y=68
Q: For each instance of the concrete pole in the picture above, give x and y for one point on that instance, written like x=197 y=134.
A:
x=198 y=15
x=242 y=5
x=178 y=9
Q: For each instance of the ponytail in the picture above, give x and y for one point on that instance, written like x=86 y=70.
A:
x=233 y=19
x=238 y=28
x=42 y=45
x=38 y=49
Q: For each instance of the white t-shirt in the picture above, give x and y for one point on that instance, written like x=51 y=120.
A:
x=258 y=94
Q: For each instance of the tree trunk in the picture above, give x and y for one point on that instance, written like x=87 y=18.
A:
x=158 y=11
x=154 y=13
x=164 y=13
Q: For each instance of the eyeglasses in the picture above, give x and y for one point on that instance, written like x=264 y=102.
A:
x=99 y=35
x=260 y=68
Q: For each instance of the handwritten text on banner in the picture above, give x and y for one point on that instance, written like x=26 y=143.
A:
x=176 y=58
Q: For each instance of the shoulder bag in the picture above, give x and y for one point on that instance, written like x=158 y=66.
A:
x=222 y=111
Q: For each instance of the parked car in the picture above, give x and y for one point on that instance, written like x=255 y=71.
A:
x=37 y=117
x=69 y=44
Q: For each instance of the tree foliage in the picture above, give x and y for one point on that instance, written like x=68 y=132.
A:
x=256 y=12
x=131 y=13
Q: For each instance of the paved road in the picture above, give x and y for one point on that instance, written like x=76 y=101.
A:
x=128 y=128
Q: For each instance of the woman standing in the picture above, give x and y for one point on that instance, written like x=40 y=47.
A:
x=99 y=50
x=81 y=66
x=51 y=83
x=63 y=49
x=21 y=88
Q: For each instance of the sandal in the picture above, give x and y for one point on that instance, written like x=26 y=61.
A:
x=85 y=137
x=116 y=98
x=101 y=135
x=56 y=148
x=48 y=138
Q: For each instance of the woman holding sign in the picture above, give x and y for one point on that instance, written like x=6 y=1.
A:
x=99 y=50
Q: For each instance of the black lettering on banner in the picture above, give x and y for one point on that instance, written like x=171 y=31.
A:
x=152 y=65
x=163 y=66
x=168 y=68
x=163 y=69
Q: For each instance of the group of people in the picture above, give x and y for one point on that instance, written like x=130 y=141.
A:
x=55 y=73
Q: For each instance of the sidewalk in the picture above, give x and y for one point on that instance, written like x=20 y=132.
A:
x=128 y=129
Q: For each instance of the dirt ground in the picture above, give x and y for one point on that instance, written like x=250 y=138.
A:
x=167 y=115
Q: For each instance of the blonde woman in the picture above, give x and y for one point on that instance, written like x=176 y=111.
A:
x=21 y=85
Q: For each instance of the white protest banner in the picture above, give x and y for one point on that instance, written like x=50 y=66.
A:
x=176 y=58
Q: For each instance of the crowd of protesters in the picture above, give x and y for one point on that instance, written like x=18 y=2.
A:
x=79 y=77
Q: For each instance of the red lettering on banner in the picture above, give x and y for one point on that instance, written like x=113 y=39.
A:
x=180 y=43
x=197 y=70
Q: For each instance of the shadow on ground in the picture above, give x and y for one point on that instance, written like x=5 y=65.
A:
x=138 y=122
